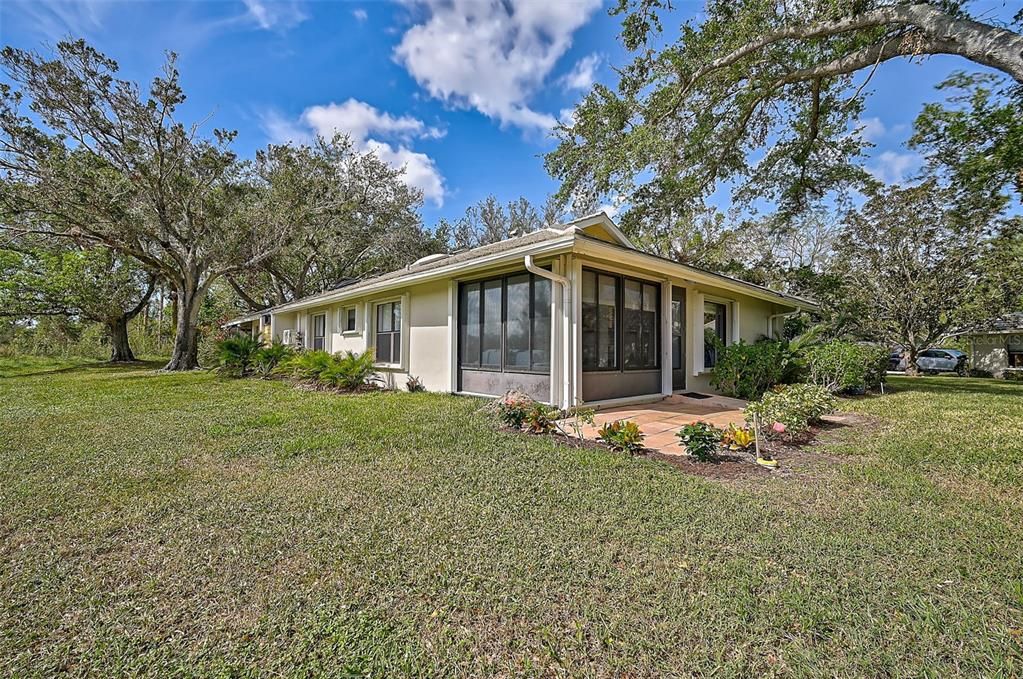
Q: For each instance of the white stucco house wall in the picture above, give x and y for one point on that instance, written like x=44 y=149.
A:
x=998 y=348
x=572 y=314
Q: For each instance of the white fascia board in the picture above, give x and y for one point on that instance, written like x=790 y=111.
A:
x=656 y=264
x=605 y=221
x=542 y=248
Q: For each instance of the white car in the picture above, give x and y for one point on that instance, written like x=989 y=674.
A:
x=932 y=361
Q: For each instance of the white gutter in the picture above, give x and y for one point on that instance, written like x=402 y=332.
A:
x=566 y=366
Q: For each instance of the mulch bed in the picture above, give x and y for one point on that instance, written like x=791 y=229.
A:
x=794 y=460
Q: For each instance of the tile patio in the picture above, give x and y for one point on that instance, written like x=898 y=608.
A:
x=660 y=420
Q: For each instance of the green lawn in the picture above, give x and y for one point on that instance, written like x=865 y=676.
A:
x=185 y=525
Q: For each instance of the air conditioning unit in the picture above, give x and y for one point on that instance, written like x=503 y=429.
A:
x=287 y=337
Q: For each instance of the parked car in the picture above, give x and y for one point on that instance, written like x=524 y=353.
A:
x=935 y=361
x=932 y=361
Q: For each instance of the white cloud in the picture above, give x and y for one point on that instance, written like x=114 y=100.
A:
x=56 y=20
x=360 y=15
x=567 y=117
x=491 y=56
x=370 y=129
x=872 y=129
x=583 y=74
x=275 y=14
x=895 y=168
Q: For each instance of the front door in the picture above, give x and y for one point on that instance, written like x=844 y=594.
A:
x=319 y=331
x=678 y=338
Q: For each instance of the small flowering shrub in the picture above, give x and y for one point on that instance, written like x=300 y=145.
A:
x=700 y=439
x=512 y=409
x=737 y=438
x=788 y=411
x=541 y=419
x=622 y=436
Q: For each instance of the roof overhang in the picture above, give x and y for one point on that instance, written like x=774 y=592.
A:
x=455 y=270
x=667 y=267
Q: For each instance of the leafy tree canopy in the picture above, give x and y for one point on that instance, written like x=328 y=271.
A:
x=351 y=216
x=759 y=96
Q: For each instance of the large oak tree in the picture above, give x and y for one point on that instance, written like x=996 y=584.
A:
x=917 y=266
x=759 y=96
x=40 y=277
x=95 y=160
x=351 y=215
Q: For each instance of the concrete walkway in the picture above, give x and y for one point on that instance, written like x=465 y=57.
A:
x=662 y=419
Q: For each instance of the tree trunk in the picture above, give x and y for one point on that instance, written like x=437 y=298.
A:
x=185 y=355
x=120 y=349
x=910 y=355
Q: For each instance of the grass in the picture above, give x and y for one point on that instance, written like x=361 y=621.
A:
x=180 y=524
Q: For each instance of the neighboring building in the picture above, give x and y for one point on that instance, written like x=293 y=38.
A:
x=998 y=348
x=569 y=315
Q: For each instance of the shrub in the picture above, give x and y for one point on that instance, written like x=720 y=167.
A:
x=267 y=359
x=789 y=410
x=512 y=409
x=746 y=371
x=622 y=436
x=839 y=366
x=700 y=439
x=541 y=419
x=349 y=371
x=305 y=365
x=737 y=438
x=235 y=355
x=414 y=384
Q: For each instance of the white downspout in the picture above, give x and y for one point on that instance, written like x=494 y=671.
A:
x=565 y=363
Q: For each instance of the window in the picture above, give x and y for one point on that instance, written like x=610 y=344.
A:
x=504 y=324
x=319 y=331
x=347 y=319
x=1014 y=348
x=600 y=321
x=714 y=331
x=388 y=333
x=640 y=341
x=620 y=312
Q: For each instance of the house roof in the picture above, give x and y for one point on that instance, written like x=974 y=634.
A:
x=597 y=229
x=1008 y=323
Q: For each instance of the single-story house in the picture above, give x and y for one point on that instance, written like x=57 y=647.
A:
x=570 y=315
x=998 y=347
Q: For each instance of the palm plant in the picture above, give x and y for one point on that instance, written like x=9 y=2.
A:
x=350 y=371
x=235 y=355
x=268 y=358
x=305 y=365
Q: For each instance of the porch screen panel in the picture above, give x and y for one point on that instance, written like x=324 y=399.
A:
x=505 y=324
x=469 y=325
x=517 y=324
x=491 y=325
x=540 y=337
x=600 y=321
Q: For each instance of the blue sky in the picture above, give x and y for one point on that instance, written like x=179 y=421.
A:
x=460 y=92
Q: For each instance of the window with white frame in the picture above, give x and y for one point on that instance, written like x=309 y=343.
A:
x=346 y=319
x=388 y=332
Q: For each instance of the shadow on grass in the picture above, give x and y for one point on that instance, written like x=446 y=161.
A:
x=948 y=385
x=98 y=365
